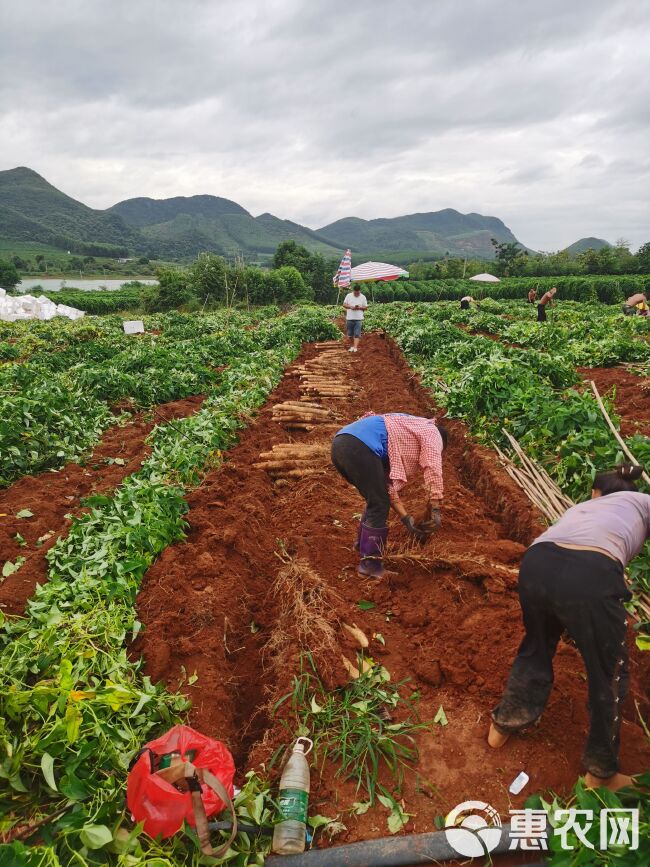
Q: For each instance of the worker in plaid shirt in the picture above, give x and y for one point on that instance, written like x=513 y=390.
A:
x=379 y=454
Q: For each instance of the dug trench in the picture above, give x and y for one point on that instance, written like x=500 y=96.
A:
x=270 y=532
x=52 y=497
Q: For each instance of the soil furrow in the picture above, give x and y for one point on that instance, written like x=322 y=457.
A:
x=52 y=496
x=448 y=610
x=632 y=396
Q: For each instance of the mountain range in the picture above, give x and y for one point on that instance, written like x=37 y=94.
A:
x=33 y=210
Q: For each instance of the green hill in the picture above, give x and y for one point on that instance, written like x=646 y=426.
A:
x=31 y=209
x=586 y=244
x=446 y=231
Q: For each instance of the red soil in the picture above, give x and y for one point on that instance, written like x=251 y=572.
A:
x=631 y=398
x=451 y=624
x=51 y=496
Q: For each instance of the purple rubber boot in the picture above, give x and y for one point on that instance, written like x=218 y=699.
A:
x=372 y=542
x=363 y=518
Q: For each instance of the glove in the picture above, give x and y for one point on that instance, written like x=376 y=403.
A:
x=413 y=528
x=432 y=521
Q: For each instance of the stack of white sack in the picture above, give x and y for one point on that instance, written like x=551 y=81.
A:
x=18 y=307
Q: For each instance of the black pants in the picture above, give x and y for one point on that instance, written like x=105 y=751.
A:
x=464 y=305
x=580 y=592
x=541 y=313
x=361 y=467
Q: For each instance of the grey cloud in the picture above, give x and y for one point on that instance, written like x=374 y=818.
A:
x=318 y=110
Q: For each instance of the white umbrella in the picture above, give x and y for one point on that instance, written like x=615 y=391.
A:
x=376 y=271
x=485 y=278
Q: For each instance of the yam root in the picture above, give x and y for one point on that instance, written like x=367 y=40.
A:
x=356 y=633
x=352 y=670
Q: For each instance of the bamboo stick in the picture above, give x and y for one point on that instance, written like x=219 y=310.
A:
x=619 y=438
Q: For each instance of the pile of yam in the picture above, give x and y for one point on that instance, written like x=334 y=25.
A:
x=301 y=415
x=293 y=460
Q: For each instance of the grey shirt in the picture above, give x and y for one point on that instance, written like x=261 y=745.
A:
x=616 y=523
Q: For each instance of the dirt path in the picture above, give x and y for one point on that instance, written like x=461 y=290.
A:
x=450 y=617
x=632 y=399
x=51 y=496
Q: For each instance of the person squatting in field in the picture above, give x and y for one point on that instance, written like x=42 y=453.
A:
x=572 y=579
x=547 y=298
x=355 y=303
x=636 y=304
x=532 y=296
x=379 y=454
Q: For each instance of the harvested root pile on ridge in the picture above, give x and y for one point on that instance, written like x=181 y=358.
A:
x=293 y=461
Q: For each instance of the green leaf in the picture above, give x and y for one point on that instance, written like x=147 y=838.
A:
x=397 y=820
x=47 y=766
x=380 y=638
x=315 y=707
x=9 y=568
x=24 y=513
x=96 y=836
x=643 y=642
x=365 y=605
x=318 y=821
x=441 y=717
x=361 y=807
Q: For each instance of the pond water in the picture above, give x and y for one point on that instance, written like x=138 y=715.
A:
x=54 y=285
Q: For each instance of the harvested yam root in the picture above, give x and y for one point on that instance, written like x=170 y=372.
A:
x=356 y=633
x=352 y=670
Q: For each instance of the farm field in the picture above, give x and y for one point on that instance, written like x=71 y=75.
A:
x=144 y=520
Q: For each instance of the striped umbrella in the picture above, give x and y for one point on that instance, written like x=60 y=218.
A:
x=342 y=276
x=377 y=271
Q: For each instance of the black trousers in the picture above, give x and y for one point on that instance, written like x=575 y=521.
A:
x=581 y=592
x=541 y=313
x=361 y=467
x=464 y=305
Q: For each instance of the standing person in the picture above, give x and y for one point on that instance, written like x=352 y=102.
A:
x=630 y=307
x=532 y=295
x=572 y=578
x=355 y=303
x=465 y=302
x=547 y=298
x=379 y=454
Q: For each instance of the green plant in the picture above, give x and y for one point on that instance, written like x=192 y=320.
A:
x=349 y=728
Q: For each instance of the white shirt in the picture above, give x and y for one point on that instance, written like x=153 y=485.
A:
x=352 y=299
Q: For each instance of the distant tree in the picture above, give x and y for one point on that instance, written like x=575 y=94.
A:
x=285 y=285
x=21 y=264
x=290 y=253
x=75 y=263
x=208 y=278
x=643 y=258
x=89 y=260
x=510 y=257
x=143 y=260
x=171 y=292
x=9 y=276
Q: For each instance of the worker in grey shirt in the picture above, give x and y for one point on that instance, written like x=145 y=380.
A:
x=572 y=578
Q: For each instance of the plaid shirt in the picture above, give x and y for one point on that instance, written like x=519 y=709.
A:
x=413 y=444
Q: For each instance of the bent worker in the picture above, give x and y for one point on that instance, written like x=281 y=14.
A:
x=547 y=298
x=572 y=578
x=465 y=301
x=635 y=303
x=532 y=295
x=379 y=454
x=354 y=303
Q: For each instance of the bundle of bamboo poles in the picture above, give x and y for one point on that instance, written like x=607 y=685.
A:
x=301 y=415
x=293 y=460
x=545 y=494
x=535 y=481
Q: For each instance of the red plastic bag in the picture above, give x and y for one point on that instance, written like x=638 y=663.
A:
x=159 y=804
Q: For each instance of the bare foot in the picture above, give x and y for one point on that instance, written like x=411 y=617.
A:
x=613 y=783
x=495 y=738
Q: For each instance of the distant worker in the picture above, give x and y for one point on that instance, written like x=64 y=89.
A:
x=355 y=303
x=572 y=579
x=465 y=302
x=547 y=298
x=532 y=295
x=379 y=454
x=635 y=304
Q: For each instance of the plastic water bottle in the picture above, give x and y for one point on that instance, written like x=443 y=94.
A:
x=289 y=834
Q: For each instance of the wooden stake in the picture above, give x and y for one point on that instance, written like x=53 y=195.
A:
x=619 y=438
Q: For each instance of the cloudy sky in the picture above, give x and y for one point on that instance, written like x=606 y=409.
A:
x=535 y=112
